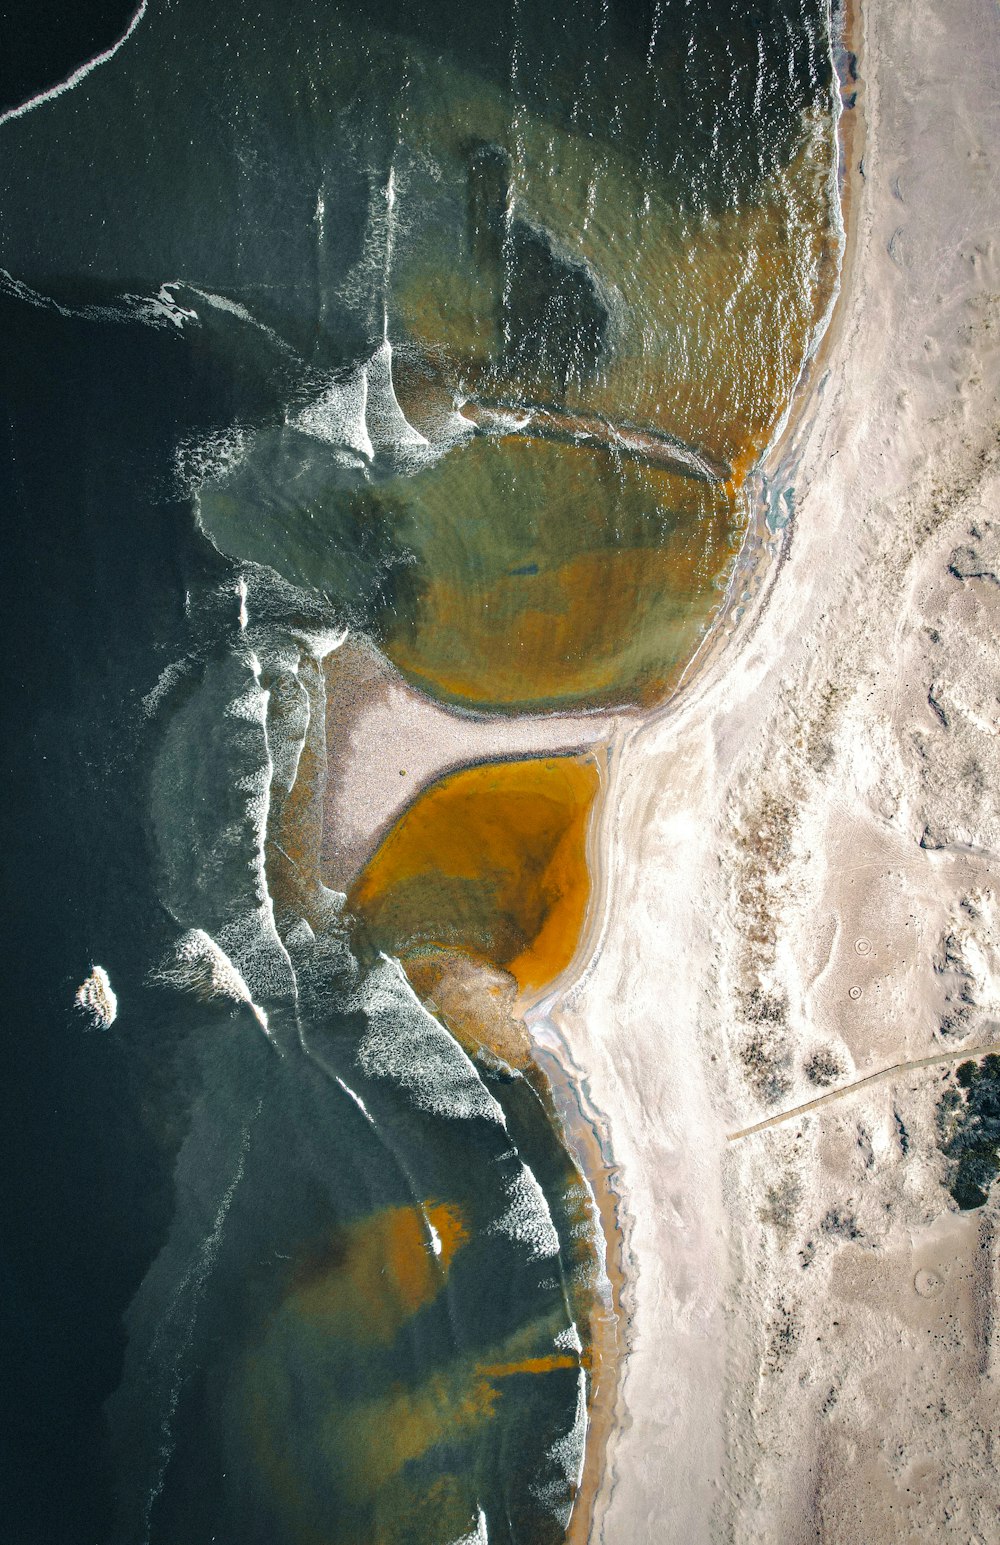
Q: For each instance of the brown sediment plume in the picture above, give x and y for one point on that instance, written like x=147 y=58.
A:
x=366 y=1444
x=386 y=1434
x=593 y=608
x=551 y=1363
x=370 y=1279
x=730 y=269
x=490 y=860
x=763 y=548
x=363 y=1284
x=299 y=1426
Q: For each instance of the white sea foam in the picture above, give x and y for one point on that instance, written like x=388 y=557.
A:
x=568 y=1340
x=77 y=75
x=405 y=1045
x=157 y=310
x=96 y=998
x=217 y=883
x=450 y=427
x=339 y=417
x=300 y=936
x=387 y=424
x=160 y=310
x=527 y=1219
x=211 y=457
x=166 y=681
x=166 y=305
x=251 y=704
x=289 y=721
x=567 y=1455
x=479 y=1535
x=356 y=415
x=504 y=421
x=252 y=942
x=359 y=1102
x=197 y=965
x=323 y=641
x=436 y=1244
x=360 y=415
x=234 y=308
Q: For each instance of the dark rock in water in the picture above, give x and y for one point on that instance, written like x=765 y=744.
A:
x=553 y=319
x=490 y=192
x=555 y=323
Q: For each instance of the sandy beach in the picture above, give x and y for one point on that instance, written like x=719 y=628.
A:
x=800 y=893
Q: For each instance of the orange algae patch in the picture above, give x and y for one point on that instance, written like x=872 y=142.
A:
x=491 y=860
x=377 y=1275
x=605 y=627
x=551 y=1364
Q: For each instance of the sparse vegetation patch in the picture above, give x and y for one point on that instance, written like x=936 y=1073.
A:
x=968 y=1117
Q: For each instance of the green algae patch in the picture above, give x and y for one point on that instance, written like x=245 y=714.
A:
x=554 y=575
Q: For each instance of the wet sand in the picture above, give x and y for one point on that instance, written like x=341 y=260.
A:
x=387 y=742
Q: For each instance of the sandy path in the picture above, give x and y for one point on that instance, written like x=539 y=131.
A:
x=798 y=1308
x=935 y=1060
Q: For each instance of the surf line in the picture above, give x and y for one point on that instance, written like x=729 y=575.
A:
x=78 y=75
x=970 y=1054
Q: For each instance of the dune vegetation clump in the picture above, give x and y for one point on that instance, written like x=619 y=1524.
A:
x=969 y=1124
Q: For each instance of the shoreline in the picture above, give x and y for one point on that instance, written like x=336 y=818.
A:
x=589 y=1145
x=757 y=565
x=764 y=548
x=771 y=838
x=603 y=734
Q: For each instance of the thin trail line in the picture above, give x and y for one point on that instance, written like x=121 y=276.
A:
x=969 y=1053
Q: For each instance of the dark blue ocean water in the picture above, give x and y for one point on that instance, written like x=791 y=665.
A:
x=198 y=1346
x=109 y=1130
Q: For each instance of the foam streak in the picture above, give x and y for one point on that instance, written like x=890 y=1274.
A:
x=77 y=75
